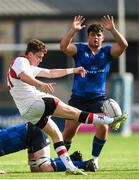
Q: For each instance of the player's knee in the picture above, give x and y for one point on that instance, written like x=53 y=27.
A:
x=70 y=131
x=50 y=105
x=102 y=131
x=39 y=164
x=68 y=135
x=105 y=128
x=102 y=127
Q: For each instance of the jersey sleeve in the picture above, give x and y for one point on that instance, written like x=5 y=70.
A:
x=21 y=64
x=107 y=50
x=78 y=46
x=36 y=70
x=80 y=49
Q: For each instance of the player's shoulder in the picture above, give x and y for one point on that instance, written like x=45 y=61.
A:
x=81 y=45
x=21 y=59
x=106 y=47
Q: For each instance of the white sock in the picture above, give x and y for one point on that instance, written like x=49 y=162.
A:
x=102 y=119
x=95 y=160
x=63 y=154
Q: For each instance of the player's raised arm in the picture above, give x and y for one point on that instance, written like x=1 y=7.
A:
x=66 y=44
x=121 y=43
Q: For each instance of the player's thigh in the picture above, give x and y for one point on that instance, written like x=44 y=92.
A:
x=102 y=131
x=35 y=111
x=37 y=139
x=66 y=111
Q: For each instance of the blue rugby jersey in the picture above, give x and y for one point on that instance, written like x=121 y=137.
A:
x=97 y=67
x=13 y=139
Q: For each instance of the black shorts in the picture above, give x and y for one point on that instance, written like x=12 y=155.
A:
x=86 y=104
x=37 y=139
x=50 y=106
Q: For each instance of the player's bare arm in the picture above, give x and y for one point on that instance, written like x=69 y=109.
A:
x=66 y=46
x=56 y=73
x=121 y=43
x=46 y=87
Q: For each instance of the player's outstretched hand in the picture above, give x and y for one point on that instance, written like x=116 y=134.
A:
x=78 y=23
x=80 y=70
x=108 y=22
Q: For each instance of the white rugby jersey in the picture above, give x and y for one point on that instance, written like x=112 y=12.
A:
x=23 y=94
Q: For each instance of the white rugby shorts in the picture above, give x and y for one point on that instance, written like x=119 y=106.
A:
x=35 y=111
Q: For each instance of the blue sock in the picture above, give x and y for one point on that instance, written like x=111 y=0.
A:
x=58 y=165
x=80 y=164
x=57 y=158
x=97 y=146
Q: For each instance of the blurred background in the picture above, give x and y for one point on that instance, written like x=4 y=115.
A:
x=49 y=20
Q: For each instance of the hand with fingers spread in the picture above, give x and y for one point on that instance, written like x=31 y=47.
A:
x=78 y=23
x=80 y=70
x=108 y=22
x=47 y=87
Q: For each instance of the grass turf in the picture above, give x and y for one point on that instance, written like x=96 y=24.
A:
x=119 y=160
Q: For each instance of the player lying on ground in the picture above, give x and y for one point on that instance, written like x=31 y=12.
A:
x=35 y=105
x=30 y=137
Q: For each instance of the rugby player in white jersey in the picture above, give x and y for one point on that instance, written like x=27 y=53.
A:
x=35 y=103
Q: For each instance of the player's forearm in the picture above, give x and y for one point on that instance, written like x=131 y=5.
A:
x=119 y=38
x=30 y=80
x=62 y=72
x=56 y=73
x=67 y=39
x=35 y=82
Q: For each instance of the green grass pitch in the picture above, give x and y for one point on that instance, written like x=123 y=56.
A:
x=119 y=160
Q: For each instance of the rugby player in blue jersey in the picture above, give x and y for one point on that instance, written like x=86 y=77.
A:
x=30 y=137
x=89 y=93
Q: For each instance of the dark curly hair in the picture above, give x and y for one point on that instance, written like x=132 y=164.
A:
x=96 y=28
